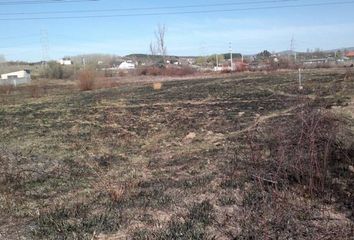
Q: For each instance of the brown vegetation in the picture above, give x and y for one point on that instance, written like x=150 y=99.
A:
x=292 y=168
x=55 y=70
x=300 y=151
x=34 y=90
x=6 y=89
x=169 y=71
x=87 y=80
x=349 y=74
x=238 y=157
x=104 y=83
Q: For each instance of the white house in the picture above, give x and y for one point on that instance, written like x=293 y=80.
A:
x=65 y=61
x=126 y=65
x=16 y=78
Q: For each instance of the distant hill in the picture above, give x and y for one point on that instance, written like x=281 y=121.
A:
x=288 y=52
x=341 y=49
x=234 y=55
x=148 y=57
x=139 y=55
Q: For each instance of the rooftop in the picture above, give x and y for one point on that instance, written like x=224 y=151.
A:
x=350 y=54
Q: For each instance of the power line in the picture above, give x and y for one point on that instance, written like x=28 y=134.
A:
x=153 y=8
x=44 y=2
x=19 y=45
x=182 y=12
x=18 y=37
x=44 y=45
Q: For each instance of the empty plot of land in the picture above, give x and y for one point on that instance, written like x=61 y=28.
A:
x=144 y=163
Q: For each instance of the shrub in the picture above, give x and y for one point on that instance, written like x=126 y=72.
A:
x=34 y=91
x=178 y=71
x=172 y=71
x=300 y=151
x=150 y=71
x=53 y=71
x=290 y=173
x=6 y=89
x=104 y=83
x=226 y=71
x=348 y=74
x=157 y=86
x=56 y=71
x=87 y=80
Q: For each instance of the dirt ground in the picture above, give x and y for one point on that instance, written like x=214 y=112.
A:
x=143 y=162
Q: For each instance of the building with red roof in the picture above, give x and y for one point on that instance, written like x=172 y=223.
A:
x=350 y=55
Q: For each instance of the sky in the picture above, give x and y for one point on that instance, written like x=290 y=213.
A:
x=251 y=26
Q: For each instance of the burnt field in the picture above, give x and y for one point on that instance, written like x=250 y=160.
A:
x=187 y=161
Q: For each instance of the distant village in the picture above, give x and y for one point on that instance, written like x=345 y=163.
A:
x=222 y=62
x=230 y=62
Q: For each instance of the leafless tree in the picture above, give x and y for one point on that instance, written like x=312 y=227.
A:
x=159 y=47
x=153 y=49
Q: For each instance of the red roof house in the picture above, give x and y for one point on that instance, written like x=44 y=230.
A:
x=350 y=54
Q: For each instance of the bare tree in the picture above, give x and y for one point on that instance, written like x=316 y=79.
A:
x=2 y=63
x=159 y=47
x=153 y=49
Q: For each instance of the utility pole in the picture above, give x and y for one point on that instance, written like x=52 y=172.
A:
x=84 y=62
x=217 y=61
x=231 y=59
x=292 y=48
x=300 y=80
x=45 y=48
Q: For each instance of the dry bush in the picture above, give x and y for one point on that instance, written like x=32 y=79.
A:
x=157 y=86
x=34 y=91
x=106 y=83
x=6 y=89
x=116 y=193
x=150 y=71
x=297 y=151
x=56 y=71
x=122 y=74
x=322 y=65
x=179 y=71
x=87 y=80
x=291 y=168
x=173 y=71
x=226 y=71
x=348 y=74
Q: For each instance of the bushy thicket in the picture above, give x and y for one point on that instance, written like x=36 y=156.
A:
x=55 y=70
x=290 y=169
x=87 y=80
x=166 y=71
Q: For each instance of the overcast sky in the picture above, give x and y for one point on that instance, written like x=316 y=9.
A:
x=250 y=31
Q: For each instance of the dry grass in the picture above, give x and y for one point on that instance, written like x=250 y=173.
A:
x=171 y=71
x=298 y=152
x=115 y=163
x=106 y=83
x=349 y=74
x=86 y=80
x=6 y=89
x=157 y=86
x=289 y=175
x=34 y=91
